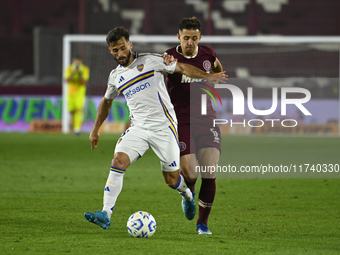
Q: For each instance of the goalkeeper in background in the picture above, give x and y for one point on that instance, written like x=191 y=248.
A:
x=76 y=75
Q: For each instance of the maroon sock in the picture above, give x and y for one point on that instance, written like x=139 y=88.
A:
x=191 y=185
x=206 y=199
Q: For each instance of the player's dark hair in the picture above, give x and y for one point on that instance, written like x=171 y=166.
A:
x=190 y=23
x=116 y=34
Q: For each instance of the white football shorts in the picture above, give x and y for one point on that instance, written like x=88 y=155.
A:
x=135 y=141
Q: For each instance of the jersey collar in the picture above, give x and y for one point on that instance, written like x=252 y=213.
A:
x=188 y=57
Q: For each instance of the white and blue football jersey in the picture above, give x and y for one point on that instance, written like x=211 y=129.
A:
x=142 y=84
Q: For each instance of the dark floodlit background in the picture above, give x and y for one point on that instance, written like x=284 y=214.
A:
x=31 y=33
x=49 y=179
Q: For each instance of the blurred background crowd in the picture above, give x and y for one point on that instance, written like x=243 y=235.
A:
x=31 y=30
x=31 y=46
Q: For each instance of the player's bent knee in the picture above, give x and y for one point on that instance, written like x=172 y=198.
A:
x=121 y=160
x=172 y=185
x=190 y=178
x=171 y=179
x=171 y=182
x=188 y=175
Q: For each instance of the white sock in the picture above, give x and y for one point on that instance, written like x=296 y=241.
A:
x=183 y=189
x=112 y=189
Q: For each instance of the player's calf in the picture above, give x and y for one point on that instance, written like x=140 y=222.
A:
x=188 y=201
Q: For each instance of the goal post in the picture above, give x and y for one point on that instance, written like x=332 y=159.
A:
x=258 y=59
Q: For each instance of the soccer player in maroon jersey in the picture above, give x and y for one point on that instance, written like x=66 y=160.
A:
x=199 y=140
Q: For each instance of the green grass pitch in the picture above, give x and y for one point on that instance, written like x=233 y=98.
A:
x=48 y=181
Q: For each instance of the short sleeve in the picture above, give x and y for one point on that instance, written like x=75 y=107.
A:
x=161 y=67
x=112 y=91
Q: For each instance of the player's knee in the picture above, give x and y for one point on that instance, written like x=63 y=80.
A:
x=189 y=176
x=170 y=180
x=190 y=179
x=120 y=160
x=171 y=183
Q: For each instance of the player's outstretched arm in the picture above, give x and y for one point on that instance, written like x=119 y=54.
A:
x=194 y=72
x=168 y=59
x=102 y=113
x=217 y=67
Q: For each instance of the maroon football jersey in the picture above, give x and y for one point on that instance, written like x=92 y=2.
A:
x=180 y=86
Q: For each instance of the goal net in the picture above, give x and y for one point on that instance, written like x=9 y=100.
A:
x=267 y=65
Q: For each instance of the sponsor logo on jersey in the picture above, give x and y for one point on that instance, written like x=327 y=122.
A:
x=140 y=67
x=186 y=79
x=121 y=79
x=137 y=89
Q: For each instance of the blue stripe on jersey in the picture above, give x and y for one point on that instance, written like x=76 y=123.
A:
x=117 y=170
x=166 y=112
x=136 y=79
x=173 y=130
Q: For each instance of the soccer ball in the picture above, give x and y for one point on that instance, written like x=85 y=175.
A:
x=141 y=224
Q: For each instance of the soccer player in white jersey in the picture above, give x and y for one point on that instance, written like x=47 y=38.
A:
x=139 y=77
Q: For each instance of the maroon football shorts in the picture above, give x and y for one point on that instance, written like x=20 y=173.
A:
x=193 y=137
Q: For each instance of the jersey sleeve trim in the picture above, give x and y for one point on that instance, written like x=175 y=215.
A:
x=144 y=54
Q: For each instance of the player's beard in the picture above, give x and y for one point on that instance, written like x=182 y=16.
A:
x=126 y=60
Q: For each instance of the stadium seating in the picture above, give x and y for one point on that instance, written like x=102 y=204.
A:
x=228 y=17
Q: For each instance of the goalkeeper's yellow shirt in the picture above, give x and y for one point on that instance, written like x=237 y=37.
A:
x=76 y=87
